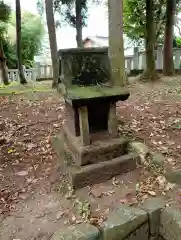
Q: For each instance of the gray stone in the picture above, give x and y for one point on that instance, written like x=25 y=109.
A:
x=79 y=232
x=100 y=172
x=122 y=222
x=156 y=238
x=140 y=233
x=157 y=159
x=58 y=144
x=170 y=227
x=140 y=148
x=153 y=207
x=173 y=176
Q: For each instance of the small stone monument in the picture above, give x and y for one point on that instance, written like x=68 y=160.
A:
x=93 y=150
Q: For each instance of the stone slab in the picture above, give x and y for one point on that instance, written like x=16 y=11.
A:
x=170 y=227
x=58 y=144
x=173 y=176
x=97 y=151
x=79 y=232
x=157 y=159
x=103 y=171
x=140 y=233
x=81 y=96
x=153 y=207
x=156 y=238
x=123 y=222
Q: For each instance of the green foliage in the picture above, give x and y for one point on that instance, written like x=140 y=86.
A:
x=135 y=19
x=178 y=42
x=5 y=12
x=40 y=7
x=66 y=11
x=32 y=33
x=10 y=53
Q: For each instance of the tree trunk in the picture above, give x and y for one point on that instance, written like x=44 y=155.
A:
x=3 y=68
x=18 y=43
x=78 y=10
x=168 y=65
x=52 y=40
x=116 y=44
x=150 y=42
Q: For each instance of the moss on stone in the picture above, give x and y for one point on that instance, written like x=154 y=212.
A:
x=94 y=91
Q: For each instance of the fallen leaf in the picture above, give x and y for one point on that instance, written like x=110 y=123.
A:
x=152 y=193
x=11 y=150
x=161 y=180
x=137 y=187
x=171 y=161
x=30 y=146
x=22 y=173
x=59 y=214
x=73 y=218
x=23 y=196
x=108 y=193
x=115 y=182
x=169 y=186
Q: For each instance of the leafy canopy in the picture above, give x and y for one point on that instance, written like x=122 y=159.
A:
x=135 y=19
x=32 y=34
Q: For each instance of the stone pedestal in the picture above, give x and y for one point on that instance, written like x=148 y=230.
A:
x=93 y=150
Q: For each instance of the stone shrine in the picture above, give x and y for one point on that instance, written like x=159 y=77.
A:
x=94 y=152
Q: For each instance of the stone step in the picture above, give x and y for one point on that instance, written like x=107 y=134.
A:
x=100 y=172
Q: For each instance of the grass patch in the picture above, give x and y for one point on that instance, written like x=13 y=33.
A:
x=17 y=88
x=94 y=91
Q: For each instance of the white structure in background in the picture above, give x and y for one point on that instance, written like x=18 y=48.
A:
x=129 y=51
x=43 y=67
x=136 y=60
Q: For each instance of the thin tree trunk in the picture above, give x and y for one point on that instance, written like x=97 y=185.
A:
x=78 y=10
x=52 y=40
x=150 y=42
x=18 y=42
x=3 y=68
x=116 y=43
x=168 y=65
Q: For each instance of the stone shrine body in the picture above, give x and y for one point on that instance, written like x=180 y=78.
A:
x=94 y=152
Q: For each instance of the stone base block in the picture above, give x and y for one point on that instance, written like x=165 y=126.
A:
x=170 y=227
x=82 y=231
x=99 y=172
x=126 y=223
x=97 y=151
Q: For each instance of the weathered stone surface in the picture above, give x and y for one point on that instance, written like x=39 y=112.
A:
x=58 y=144
x=85 y=66
x=98 y=151
x=173 y=176
x=170 y=227
x=79 y=232
x=156 y=238
x=84 y=126
x=141 y=149
x=157 y=159
x=103 y=171
x=112 y=121
x=153 y=207
x=122 y=222
x=140 y=233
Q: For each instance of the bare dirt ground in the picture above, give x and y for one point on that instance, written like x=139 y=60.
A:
x=35 y=199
